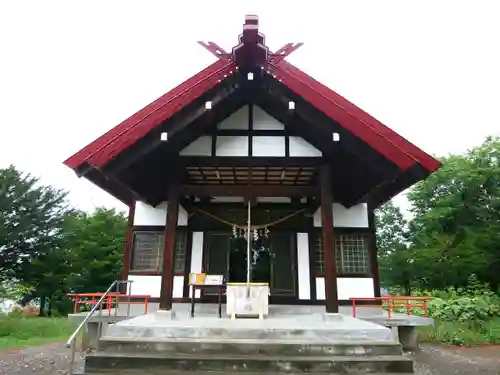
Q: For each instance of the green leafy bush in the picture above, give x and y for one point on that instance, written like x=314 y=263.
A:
x=465 y=309
x=472 y=305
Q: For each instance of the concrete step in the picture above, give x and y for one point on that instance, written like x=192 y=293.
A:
x=155 y=364
x=248 y=347
x=320 y=334
x=134 y=372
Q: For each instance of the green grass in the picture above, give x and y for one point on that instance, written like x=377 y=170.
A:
x=19 y=332
x=463 y=334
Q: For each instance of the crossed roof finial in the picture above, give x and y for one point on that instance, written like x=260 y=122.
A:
x=251 y=50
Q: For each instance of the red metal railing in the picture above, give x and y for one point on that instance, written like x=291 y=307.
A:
x=112 y=298
x=391 y=303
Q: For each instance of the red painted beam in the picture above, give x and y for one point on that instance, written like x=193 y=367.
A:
x=373 y=132
x=104 y=148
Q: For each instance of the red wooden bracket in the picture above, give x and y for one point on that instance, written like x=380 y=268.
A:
x=284 y=51
x=216 y=50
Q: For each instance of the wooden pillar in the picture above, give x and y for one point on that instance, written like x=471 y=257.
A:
x=167 y=279
x=330 y=258
x=373 y=252
x=127 y=250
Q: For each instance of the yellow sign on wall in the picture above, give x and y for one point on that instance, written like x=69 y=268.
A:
x=197 y=278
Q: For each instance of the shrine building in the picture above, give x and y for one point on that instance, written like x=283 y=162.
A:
x=253 y=133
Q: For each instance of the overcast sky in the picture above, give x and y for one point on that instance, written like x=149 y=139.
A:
x=71 y=70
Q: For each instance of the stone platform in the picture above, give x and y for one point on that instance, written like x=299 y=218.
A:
x=284 y=342
x=314 y=327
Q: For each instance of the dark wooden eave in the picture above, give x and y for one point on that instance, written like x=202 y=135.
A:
x=387 y=162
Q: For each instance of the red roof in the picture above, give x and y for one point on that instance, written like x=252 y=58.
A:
x=252 y=50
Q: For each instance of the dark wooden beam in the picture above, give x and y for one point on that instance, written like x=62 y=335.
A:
x=281 y=95
x=256 y=161
x=113 y=186
x=167 y=279
x=173 y=127
x=330 y=257
x=249 y=190
x=373 y=252
x=127 y=249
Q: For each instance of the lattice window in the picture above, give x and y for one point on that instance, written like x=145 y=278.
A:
x=147 y=251
x=180 y=251
x=318 y=253
x=352 y=253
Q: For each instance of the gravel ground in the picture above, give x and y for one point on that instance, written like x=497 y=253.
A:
x=54 y=359
x=49 y=359
x=438 y=360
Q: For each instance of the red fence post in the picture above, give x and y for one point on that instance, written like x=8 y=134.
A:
x=76 y=303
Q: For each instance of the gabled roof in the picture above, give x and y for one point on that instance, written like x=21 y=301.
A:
x=252 y=52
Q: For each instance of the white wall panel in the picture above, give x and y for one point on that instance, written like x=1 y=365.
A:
x=347 y=287
x=299 y=147
x=231 y=146
x=237 y=121
x=355 y=287
x=201 y=146
x=178 y=288
x=263 y=121
x=157 y=216
x=145 y=285
x=273 y=199
x=227 y=200
x=354 y=217
x=268 y=146
x=196 y=257
x=320 y=288
x=303 y=269
x=151 y=285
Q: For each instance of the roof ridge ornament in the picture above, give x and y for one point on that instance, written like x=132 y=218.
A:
x=251 y=51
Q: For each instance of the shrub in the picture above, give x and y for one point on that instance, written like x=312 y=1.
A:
x=464 y=309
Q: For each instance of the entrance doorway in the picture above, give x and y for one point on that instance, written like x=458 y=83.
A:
x=273 y=261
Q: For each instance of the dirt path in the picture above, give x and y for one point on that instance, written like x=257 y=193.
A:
x=54 y=359
x=439 y=360
x=49 y=359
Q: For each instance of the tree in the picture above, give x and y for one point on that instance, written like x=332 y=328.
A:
x=456 y=228
x=31 y=217
x=392 y=245
x=94 y=247
x=87 y=258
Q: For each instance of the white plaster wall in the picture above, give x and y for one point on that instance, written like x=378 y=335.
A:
x=145 y=285
x=227 y=199
x=149 y=215
x=320 y=288
x=264 y=121
x=231 y=146
x=151 y=285
x=354 y=217
x=268 y=146
x=196 y=257
x=347 y=288
x=178 y=288
x=238 y=120
x=273 y=200
x=303 y=269
x=299 y=147
x=201 y=146
x=355 y=287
